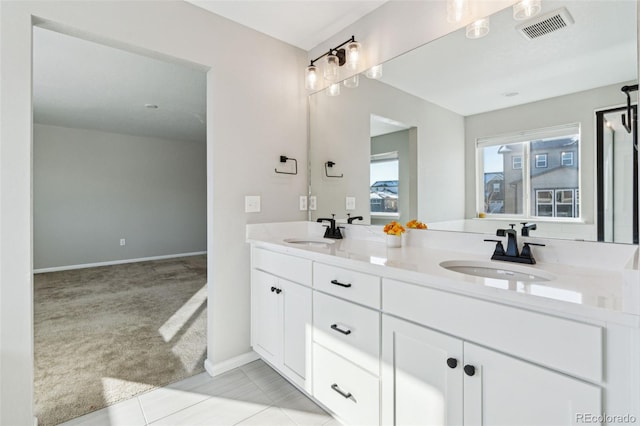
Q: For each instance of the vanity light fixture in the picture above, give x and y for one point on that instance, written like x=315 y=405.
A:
x=332 y=67
x=478 y=29
x=352 y=82
x=333 y=89
x=457 y=10
x=526 y=9
x=311 y=78
x=374 y=72
x=335 y=58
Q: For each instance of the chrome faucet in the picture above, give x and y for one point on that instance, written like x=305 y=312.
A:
x=512 y=254
x=332 y=230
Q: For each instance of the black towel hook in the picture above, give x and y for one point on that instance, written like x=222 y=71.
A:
x=627 y=118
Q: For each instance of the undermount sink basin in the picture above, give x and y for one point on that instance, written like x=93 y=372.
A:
x=500 y=271
x=310 y=242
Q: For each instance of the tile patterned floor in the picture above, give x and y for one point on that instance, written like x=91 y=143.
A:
x=251 y=395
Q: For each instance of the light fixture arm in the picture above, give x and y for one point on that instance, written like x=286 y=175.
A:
x=340 y=53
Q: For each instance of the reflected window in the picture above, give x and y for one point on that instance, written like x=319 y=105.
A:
x=541 y=161
x=516 y=162
x=566 y=158
x=384 y=179
x=531 y=173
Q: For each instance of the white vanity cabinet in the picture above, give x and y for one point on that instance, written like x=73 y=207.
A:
x=430 y=378
x=400 y=345
x=281 y=313
x=346 y=343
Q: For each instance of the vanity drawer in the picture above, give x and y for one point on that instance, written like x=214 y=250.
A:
x=347 y=329
x=292 y=268
x=354 y=286
x=344 y=388
x=562 y=344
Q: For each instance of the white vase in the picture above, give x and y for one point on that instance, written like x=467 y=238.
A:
x=394 y=240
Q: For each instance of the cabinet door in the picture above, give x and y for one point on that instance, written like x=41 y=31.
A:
x=296 y=305
x=510 y=392
x=266 y=317
x=419 y=387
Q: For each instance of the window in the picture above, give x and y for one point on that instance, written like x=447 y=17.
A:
x=516 y=162
x=525 y=174
x=566 y=158
x=541 y=161
x=383 y=178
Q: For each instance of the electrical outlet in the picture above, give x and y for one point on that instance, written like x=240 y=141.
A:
x=313 y=204
x=303 y=202
x=123 y=242
x=351 y=203
x=252 y=204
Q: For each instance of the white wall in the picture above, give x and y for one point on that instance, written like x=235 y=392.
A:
x=575 y=108
x=91 y=188
x=252 y=118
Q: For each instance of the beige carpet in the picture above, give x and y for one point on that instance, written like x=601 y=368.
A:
x=106 y=334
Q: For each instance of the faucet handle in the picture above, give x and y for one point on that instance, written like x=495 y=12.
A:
x=499 y=250
x=526 y=252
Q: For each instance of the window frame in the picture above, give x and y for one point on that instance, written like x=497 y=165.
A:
x=527 y=137
x=562 y=154
x=539 y=157
x=513 y=162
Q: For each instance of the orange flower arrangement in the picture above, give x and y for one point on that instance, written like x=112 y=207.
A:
x=393 y=228
x=416 y=224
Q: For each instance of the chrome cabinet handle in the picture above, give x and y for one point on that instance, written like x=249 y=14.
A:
x=336 y=282
x=346 y=395
x=338 y=329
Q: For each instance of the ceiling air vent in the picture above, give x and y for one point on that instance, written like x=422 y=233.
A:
x=545 y=24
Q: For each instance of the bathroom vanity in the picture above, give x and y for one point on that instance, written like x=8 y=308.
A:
x=388 y=336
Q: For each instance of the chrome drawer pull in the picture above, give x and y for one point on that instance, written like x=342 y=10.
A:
x=336 y=282
x=338 y=329
x=346 y=395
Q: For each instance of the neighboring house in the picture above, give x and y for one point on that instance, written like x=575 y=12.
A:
x=384 y=196
x=494 y=192
x=553 y=168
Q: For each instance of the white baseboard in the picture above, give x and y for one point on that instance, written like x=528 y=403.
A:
x=230 y=364
x=115 y=262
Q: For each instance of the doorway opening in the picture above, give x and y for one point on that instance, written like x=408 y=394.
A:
x=120 y=224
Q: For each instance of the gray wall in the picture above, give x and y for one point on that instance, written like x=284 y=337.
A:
x=405 y=143
x=92 y=188
x=340 y=129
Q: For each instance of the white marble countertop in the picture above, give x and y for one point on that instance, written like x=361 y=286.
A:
x=603 y=288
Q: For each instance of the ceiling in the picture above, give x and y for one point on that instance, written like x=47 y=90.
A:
x=301 y=23
x=505 y=69
x=78 y=83
x=82 y=84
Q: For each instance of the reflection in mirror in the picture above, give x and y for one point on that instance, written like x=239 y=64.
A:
x=617 y=165
x=393 y=171
x=456 y=94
